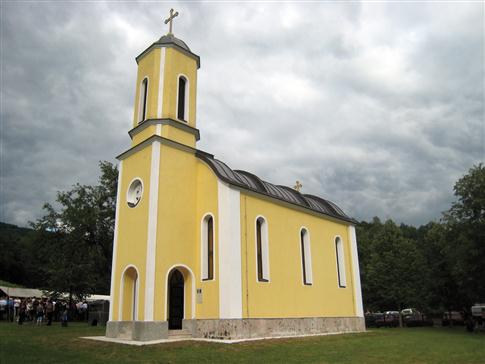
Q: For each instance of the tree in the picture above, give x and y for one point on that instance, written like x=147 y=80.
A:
x=75 y=242
x=465 y=234
x=393 y=269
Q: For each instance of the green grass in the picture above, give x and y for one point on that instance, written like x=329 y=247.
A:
x=55 y=344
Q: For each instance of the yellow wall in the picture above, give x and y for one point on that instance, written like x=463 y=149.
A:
x=207 y=202
x=177 y=63
x=285 y=295
x=148 y=66
x=144 y=134
x=176 y=228
x=178 y=135
x=132 y=227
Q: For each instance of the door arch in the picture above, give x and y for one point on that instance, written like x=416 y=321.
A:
x=176 y=288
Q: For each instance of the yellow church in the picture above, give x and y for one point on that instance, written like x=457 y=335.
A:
x=205 y=251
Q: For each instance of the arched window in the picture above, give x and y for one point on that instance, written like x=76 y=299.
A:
x=208 y=248
x=339 y=248
x=262 y=258
x=183 y=86
x=306 y=257
x=143 y=100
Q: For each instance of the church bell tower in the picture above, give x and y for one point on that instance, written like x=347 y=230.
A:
x=166 y=91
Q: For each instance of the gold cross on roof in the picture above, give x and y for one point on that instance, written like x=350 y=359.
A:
x=170 y=19
x=298 y=186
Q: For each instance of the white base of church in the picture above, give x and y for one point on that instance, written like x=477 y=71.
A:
x=233 y=330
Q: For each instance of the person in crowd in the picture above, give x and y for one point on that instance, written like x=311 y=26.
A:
x=64 y=316
x=10 y=309
x=16 y=306
x=31 y=310
x=22 y=311
x=49 y=310
x=3 y=307
x=40 y=313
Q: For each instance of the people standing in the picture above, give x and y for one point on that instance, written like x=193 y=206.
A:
x=49 y=309
x=40 y=314
x=22 y=311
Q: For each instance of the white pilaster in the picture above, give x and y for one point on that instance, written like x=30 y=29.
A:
x=115 y=243
x=359 y=310
x=230 y=279
x=152 y=231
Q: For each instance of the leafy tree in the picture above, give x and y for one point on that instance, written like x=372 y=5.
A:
x=465 y=233
x=393 y=268
x=75 y=242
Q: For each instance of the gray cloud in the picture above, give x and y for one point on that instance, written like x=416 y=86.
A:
x=377 y=107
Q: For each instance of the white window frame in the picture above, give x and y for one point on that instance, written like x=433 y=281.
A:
x=307 y=254
x=264 y=249
x=186 y=106
x=340 y=261
x=204 y=264
x=140 y=100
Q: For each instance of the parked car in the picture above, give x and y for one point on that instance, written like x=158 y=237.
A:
x=413 y=317
x=370 y=320
x=386 y=319
x=452 y=318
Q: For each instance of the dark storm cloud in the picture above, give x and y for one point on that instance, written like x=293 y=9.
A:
x=378 y=107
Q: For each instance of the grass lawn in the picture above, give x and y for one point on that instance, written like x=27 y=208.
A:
x=55 y=344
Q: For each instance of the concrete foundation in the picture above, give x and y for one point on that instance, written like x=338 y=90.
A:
x=137 y=330
x=236 y=329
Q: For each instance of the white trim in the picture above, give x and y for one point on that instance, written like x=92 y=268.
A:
x=340 y=261
x=308 y=257
x=137 y=293
x=158 y=130
x=204 y=269
x=152 y=232
x=185 y=280
x=359 y=309
x=115 y=242
x=264 y=249
x=186 y=106
x=127 y=197
x=139 y=120
x=230 y=275
x=160 y=82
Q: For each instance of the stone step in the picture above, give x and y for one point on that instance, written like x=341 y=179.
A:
x=179 y=334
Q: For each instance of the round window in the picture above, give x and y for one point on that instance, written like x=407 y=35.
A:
x=135 y=191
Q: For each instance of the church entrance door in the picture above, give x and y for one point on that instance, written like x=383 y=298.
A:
x=176 y=300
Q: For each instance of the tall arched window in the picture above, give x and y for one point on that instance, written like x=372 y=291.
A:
x=143 y=100
x=262 y=257
x=339 y=248
x=183 y=86
x=208 y=248
x=306 y=257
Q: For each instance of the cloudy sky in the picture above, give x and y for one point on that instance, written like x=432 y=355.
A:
x=376 y=106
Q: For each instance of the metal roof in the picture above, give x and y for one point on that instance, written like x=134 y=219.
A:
x=21 y=292
x=169 y=40
x=252 y=182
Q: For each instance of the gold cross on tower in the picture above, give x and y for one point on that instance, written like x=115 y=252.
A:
x=298 y=186
x=170 y=19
